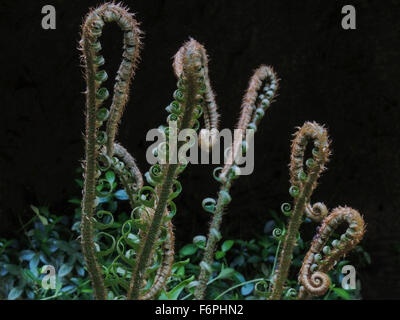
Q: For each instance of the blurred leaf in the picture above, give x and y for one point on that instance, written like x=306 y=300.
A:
x=238 y=261
x=239 y=277
x=200 y=241
x=30 y=294
x=279 y=222
x=44 y=259
x=219 y=255
x=341 y=264
x=80 y=270
x=180 y=263
x=76 y=226
x=367 y=257
x=188 y=250
x=110 y=176
x=121 y=195
x=226 y=273
x=13 y=269
x=266 y=270
x=227 y=245
x=64 y=270
x=68 y=288
x=342 y=293
x=87 y=290
x=42 y=218
x=75 y=201
x=64 y=246
x=181 y=272
x=103 y=200
x=269 y=226
x=29 y=276
x=175 y=292
x=247 y=289
x=15 y=293
x=254 y=259
x=58 y=286
x=4 y=245
x=26 y=255
x=79 y=182
x=34 y=262
x=163 y=295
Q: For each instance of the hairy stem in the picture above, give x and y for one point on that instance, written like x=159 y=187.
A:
x=90 y=46
x=190 y=69
x=147 y=248
x=165 y=269
x=212 y=240
x=290 y=241
x=303 y=185
x=89 y=197
x=261 y=91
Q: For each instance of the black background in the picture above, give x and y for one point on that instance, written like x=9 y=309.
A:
x=345 y=79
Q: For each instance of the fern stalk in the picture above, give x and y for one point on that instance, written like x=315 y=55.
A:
x=261 y=91
x=189 y=74
x=94 y=139
x=303 y=185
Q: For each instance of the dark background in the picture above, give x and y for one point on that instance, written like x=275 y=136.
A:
x=345 y=79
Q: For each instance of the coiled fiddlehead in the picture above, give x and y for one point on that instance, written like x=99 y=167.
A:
x=321 y=257
x=129 y=174
x=95 y=115
x=303 y=183
x=261 y=91
x=210 y=109
x=191 y=98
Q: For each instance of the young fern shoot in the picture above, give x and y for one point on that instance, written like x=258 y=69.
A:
x=260 y=94
x=192 y=97
x=95 y=115
x=303 y=183
x=321 y=257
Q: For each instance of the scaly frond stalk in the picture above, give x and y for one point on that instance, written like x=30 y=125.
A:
x=303 y=185
x=189 y=75
x=262 y=90
x=91 y=31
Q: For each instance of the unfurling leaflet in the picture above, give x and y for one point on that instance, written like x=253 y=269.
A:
x=192 y=98
x=303 y=182
x=95 y=115
x=262 y=90
x=322 y=255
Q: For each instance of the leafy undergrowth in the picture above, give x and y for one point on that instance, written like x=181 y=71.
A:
x=242 y=269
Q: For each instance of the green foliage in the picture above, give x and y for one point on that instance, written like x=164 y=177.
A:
x=48 y=240
x=245 y=268
x=243 y=271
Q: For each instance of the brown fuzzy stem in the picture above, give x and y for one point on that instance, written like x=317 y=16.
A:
x=263 y=83
x=164 y=270
x=301 y=190
x=191 y=70
x=91 y=31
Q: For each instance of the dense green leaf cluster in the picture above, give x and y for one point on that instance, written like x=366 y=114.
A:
x=241 y=269
x=47 y=240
